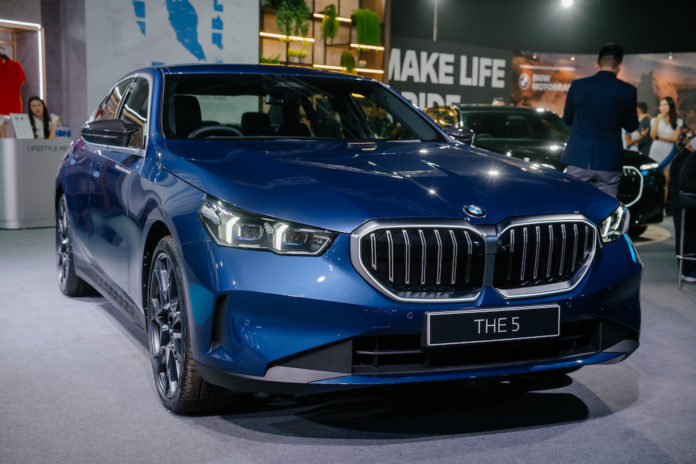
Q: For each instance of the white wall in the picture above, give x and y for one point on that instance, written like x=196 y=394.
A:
x=21 y=10
x=116 y=43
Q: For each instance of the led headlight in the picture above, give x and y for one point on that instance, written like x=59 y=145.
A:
x=648 y=166
x=615 y=225
x=232 y=227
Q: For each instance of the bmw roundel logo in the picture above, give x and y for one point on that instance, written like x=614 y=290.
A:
x=474 y=211
x=524 y=81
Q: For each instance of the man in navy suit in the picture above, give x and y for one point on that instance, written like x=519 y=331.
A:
x=596 y=109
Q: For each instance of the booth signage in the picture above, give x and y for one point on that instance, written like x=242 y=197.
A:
x=441 y=73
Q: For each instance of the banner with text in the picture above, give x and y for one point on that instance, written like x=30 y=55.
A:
x=441 y=73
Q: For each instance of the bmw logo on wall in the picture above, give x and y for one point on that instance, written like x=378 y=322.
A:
x=474 y=211
x=524 y=81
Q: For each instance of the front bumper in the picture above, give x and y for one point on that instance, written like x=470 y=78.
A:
x=263 y=322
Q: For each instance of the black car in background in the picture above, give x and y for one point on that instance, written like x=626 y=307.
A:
x=539 y=136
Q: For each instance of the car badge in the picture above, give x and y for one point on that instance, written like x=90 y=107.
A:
x=474 y=211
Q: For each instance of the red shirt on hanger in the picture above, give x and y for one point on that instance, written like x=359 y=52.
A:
x=11 y=80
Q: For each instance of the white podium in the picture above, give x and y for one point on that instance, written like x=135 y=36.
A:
x=28 y=170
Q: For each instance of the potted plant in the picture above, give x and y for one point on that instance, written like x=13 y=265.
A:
x=296 y=55
x=329 y=24
x=348 y=61
x=269 y=59
x=366 y=27
x=292 y=17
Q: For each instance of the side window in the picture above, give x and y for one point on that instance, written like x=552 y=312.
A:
x=517 y=127
x=107 y=108
x=384 y=125
x=134 y=110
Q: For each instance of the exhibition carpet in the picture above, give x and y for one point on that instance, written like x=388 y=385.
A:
x=76 y=386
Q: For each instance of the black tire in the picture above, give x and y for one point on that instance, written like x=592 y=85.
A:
x=68 y=281
x=181 y=388
x=635 y=231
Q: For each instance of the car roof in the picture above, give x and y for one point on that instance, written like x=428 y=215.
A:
x=504 y=109
x=252 y=69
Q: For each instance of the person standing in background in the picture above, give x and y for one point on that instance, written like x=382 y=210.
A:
x=594 y=149
x=640 y=140
x=665 y=130
x=42 y=122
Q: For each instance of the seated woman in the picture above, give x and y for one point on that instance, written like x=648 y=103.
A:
x=42 y=122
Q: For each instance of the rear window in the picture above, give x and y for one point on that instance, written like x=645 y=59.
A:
x=270 y=106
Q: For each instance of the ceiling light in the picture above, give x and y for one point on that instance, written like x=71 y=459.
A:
x=566 y=3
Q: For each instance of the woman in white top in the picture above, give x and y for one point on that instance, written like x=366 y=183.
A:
x=664 y=130
x=42 y=122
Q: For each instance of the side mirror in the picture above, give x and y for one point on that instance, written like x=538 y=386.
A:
x=115 y=132
x=460 y=134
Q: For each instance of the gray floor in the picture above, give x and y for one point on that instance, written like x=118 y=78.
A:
x=75 y=386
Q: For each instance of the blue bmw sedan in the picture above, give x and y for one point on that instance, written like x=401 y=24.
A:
x=279 y=229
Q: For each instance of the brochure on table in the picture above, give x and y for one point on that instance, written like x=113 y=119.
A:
x=21 y=126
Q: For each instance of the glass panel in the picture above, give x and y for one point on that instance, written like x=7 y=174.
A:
x=108 y=107
x=135 y=110
x=279 y=106
x=516 y=125
x=443 y=115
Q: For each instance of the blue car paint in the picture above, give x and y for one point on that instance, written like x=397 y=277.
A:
x=392 y=179
x=343 y=305
x=284 y=305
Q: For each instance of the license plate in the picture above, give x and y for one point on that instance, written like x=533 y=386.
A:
x=492 y=325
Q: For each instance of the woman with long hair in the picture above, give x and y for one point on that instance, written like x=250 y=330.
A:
x=665 y=130
x=42 y=122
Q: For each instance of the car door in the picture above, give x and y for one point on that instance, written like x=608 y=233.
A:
x=115 y=237
x=77 y=176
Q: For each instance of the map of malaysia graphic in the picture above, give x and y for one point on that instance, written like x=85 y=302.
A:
x=184 y=20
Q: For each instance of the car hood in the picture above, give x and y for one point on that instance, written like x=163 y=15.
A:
x=339 y=185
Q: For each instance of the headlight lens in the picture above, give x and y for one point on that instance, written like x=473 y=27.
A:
x=615 y=225
x=232 y=227
x=648 y=166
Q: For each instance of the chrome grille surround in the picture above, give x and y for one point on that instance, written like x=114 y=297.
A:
x=575 y=231
x=455 y=262
x=540 y=263
x=631 y=186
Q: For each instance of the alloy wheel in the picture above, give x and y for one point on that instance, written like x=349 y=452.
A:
x=62 y=243
x=165 y=326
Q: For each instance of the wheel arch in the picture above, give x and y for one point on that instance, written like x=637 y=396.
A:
x=158 y=230
x=59 y=192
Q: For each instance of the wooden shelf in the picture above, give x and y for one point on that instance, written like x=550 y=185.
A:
x=323 y=54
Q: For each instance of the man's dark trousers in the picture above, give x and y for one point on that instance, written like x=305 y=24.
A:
x=596 y=109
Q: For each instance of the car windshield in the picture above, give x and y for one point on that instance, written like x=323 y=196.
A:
x=538 y=125
x=281 y=106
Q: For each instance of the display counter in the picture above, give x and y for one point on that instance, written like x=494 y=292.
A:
x=27 y=181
